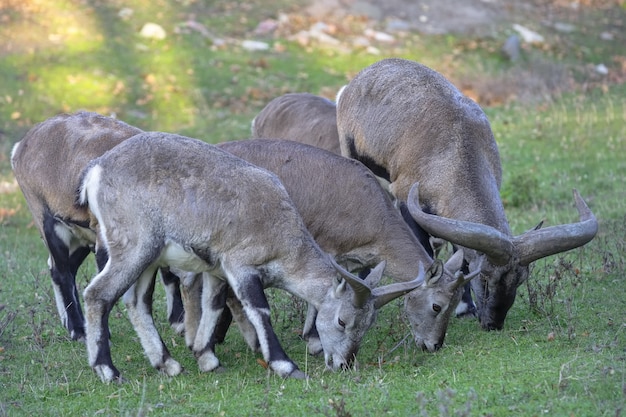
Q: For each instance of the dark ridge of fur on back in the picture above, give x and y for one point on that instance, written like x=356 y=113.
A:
x=377 y=169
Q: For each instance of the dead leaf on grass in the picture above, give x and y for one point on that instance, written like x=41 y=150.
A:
x=6 y=213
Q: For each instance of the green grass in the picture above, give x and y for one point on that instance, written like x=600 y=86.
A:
x=563 y=349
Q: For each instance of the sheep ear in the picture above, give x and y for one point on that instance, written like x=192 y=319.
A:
x=455 y=262
x=461 y=279
x=339 y=287
x=434 y=273
x=437 y=244
x=375 y=275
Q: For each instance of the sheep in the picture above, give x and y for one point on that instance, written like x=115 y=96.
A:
x=160 y=199
x=47 y=163
x=302 y=117
x=410 y=125
x=352 y=218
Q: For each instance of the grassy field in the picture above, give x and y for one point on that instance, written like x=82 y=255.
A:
x=563 y=349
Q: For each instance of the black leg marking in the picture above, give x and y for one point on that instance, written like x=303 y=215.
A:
x=148 y=296
x=63 y=273
x=467 y=307
x=257 y=308
x=101 y=258
x=219 y=305
x=214 y=293
x=223 y=323
x=103 y=357
x=172 y=284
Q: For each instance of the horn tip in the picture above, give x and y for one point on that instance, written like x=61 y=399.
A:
x=414 y=189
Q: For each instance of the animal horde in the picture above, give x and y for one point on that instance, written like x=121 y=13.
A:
x=64 y=145
x=139 y=210
x=232 y=221
x=361 y=231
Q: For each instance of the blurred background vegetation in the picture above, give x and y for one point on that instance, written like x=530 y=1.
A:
x=199 y=77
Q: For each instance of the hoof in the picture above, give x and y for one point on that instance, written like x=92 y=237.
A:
x=208 y=362
x=179 y=328
x=287 y=369
x=466 y=311
x=108 y=374
x=298 y=374
x=314 y=346
x=171 y=367
x=78 y=335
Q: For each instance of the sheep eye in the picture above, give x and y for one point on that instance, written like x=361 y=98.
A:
x=341 y=323
x=436 y=308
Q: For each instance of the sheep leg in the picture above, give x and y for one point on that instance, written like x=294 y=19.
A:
x=175 y=309
x=191 y=292
x=249 y=290
x=223 y=324
x=125 y=266
x=65 y=257
x=213 y=301
x=138 y=301
x=309 y=332
x=245 y=326
x=466 y=307
x=99 y=298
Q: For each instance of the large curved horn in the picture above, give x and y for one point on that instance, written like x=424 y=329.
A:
x=486 y=239
x=537 y=244
x=362 y=291
x=387 y=293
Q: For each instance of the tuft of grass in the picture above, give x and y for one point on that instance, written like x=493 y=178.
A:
x=520 y=191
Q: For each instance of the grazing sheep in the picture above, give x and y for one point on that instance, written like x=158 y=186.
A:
x=160 y=199
x=301 y=117
x=47 y=164
x=352 y=218
x=409 y=124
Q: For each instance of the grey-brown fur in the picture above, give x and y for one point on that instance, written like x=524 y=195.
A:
x=408 y=123
x=301 y=117
x=161 y=199
x=47 y=163
x=353 y=219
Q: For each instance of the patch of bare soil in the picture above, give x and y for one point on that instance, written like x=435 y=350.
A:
x=426 y=16
x=487 y=22
x=474 y=17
